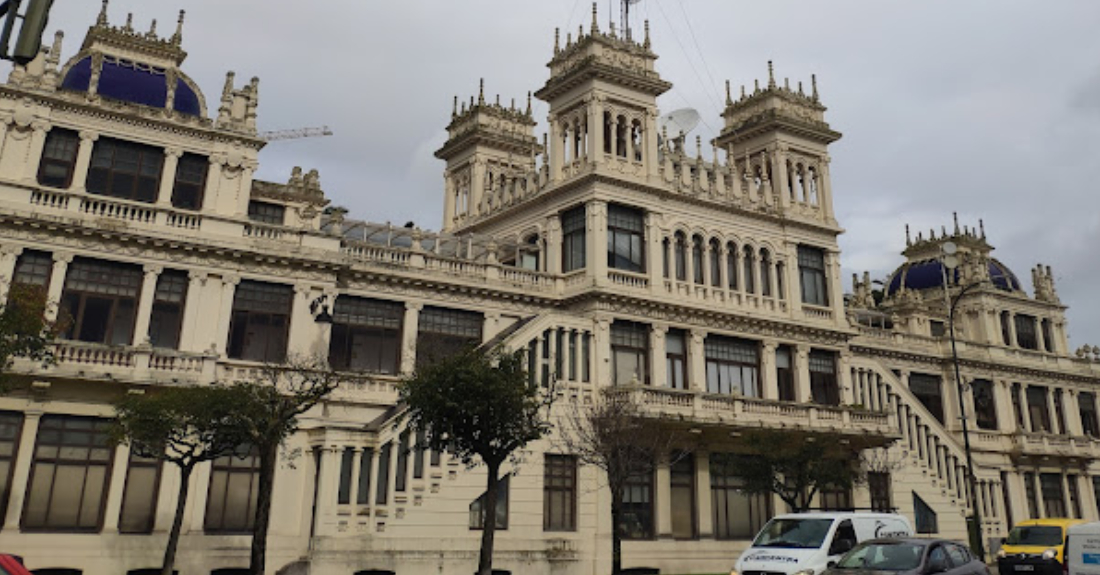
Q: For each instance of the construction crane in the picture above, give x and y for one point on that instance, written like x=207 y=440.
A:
x=294 y=134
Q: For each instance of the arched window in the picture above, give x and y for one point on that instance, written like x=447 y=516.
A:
x=697 y=259
x=607 y=135
x=765 y=273
x=731 y=264
x=621 y=128
x=780 y=280
x=715 y=263
x=680 y=256
x=747 y=263
x=666 y=246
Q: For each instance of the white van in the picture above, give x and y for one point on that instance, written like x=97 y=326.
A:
x=1082 y=552
x=807 y=543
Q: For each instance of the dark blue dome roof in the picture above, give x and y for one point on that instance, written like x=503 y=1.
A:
x=929 y=274
x=132 y=82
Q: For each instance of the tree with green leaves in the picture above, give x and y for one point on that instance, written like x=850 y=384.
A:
x=479 y=406
x=184 y=426
x=797 y=465
x=268 y=408
x=614 y=435
x=25 y=331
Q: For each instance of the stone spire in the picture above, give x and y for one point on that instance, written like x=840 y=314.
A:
x=101 y=20
x=177 y=37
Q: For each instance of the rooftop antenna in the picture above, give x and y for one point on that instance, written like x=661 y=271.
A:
x=626 y=17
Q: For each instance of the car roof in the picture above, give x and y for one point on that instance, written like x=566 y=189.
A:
x=1050 y=522
x=912 y=540
x=836 y=515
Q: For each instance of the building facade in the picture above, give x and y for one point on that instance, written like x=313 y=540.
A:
x=617 y=255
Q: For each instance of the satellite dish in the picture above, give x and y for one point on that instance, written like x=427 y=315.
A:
x=678 y=122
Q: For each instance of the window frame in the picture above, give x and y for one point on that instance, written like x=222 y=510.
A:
x=144 y=188
x=443 y=330
x=813 y=275
x=373 y=324
x=169 y=300
x=630 y=338
x=63 y=137
x=268 y=213
x=477 y=507
x=66 y=424
x=724 y=356
x=573 y=239
x=626 y=223
x=249 y=459
x=249 y=309
x=676 y=363
x=133 y=462
x=89 y=280
x=824 y=381
x=559 y=477
x=181 y=185
x=16 y=420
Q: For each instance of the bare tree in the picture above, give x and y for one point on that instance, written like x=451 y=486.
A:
x=614 y=435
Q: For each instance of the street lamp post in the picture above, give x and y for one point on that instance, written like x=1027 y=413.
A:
x=975 y=521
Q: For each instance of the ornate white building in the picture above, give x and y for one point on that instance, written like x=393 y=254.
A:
x=615 y=254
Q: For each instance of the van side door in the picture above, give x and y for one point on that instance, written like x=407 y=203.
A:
x=844 y=539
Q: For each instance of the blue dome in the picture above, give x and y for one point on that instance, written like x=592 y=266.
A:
x=132 y=82
x=929 y=274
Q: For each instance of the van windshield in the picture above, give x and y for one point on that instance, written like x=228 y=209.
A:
x=794 y=533
x=1037 y=535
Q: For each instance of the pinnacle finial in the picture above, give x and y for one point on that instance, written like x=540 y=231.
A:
x=646 y=43
x=528 y=104
x=771 y=75
x=228 y=87
x=729 y=100
x=557 y=39
x=908 y=239
x=813 y=83
x=956 y=216
x=454 y=110
x=981 y=227
x=129 y=22
x=756 y=86
x=481 y=93
x=787 y=84
x=498 y=100
x=178 y=36
x=153 y=28
x=580 y=32
x=102 y=19
x=743 y=96
x=595 y=24
x=800 y=92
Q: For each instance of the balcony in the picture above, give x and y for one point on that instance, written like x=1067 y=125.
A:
x=141 y=364
x=1045 y=446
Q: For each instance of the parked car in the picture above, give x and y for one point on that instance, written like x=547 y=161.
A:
x=12 y=565
x=1035 y=547
x=909 y=556
x=806 y=543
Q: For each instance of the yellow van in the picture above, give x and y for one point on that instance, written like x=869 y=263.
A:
x=1034 y=547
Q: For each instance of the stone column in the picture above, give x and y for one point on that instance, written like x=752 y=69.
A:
x=597 y=241
x=779 y=160
x=1040 y=338
x=1002 y=401
x=556 y=151
x=191 y=311
x=704 y=256
x=1088 y=497
x=1024 y=410
x=477 y=185
x=353 y=488
x=553 y=241
x=654 y=252
x=168 y=177
x=9 y=255
x=657 y=355
x=83 y=160
x=409 y=330
x=600 y=355
x=1012 y=341
x=195 y=518
x=145 y=304
x=723 y=268
x=663 y=497
x=1071 y=409
x=1051 y=412
x=803 y=391
x=117 y=483
x=327 y=488
x=225 y=315
x=770 y=385
x=21 y=470
x=702 y=490
x=844 y=377
x=34 y=153
x=449 y=215
x=697 y=360
x=61 y=261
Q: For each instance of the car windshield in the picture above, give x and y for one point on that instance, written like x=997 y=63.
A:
x=882 y=557
x=1037 y=535
x=794 y=533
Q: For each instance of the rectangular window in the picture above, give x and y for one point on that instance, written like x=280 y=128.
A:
x=733 y=366
x=1032 y=497
x=1017 y=408
x=1089 y=425
x=1025 y=331
x=784 y=373
x=362 y=491
x=187 y=192
x=936 y=328
x=824 y=387
x=477 y=507
x=929 y=391
x=260 y=324
x=167 y=315
x=33 y=268
x=418 y=454
x=69 y=474
x=139 y=500
x=926 y=522
x=445 y=332
x=985 y=408
x=1050 y=487
x=1006 y=333
x=811 y=271
x=682 y=496
x=1048 y=336
x=878 y=484
x=573 y=239
x=231 y=497
x=126 y=170
x=586 y=363
x=366 y=335
x=401 y=478
x=559 y=493
x=101 y=300
x=383 y=482
x=735 y=514
x=1059 y=413
x=676 y=359
x=266 y=213
x=637 y=508
x=11 y=425
x=1074 y=498
x=625 y=238
x=835 y=499
x=1037 y=409
x=58 y=158
x=347 y=462
x=629 y=352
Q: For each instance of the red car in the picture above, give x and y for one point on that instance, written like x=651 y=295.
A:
x=12 y=565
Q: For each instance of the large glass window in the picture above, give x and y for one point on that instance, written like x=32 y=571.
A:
x=1054 y=502
x=1059 y=412
x=366 y=335
x=1032 y=496
x=559 y=493
x=926 y=521
x=266 y=213
x=682 y=496
x=11 y=424
x=362 y=490
x=573 y=239
x=929 y=392
x=629 y=352
x=231 y=498
x=69 y=474
x=731 y=265
x=125 y=170
x=347 y=463
x=835 y=499
x=139 y=501
x=736 y=515
x=824 y=387
x=33 y=268
x=383 y=482
x=101 y=300
x=1087 y=401
x=733 y=366
x=676 y=359
x=625 y=238
x=187 y=191
x=444 y=332
x=58 y=158
x=985 y=408
x=477 y=507
x=784 y=373
x=811 y=271
x=636 y=518
x=878 y=484
x=260 y=323
x=1037 y=409
x=167 y=315
x=401 y=475
x=1025 y=331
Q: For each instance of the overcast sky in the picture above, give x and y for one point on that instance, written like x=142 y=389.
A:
x=989 y=108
